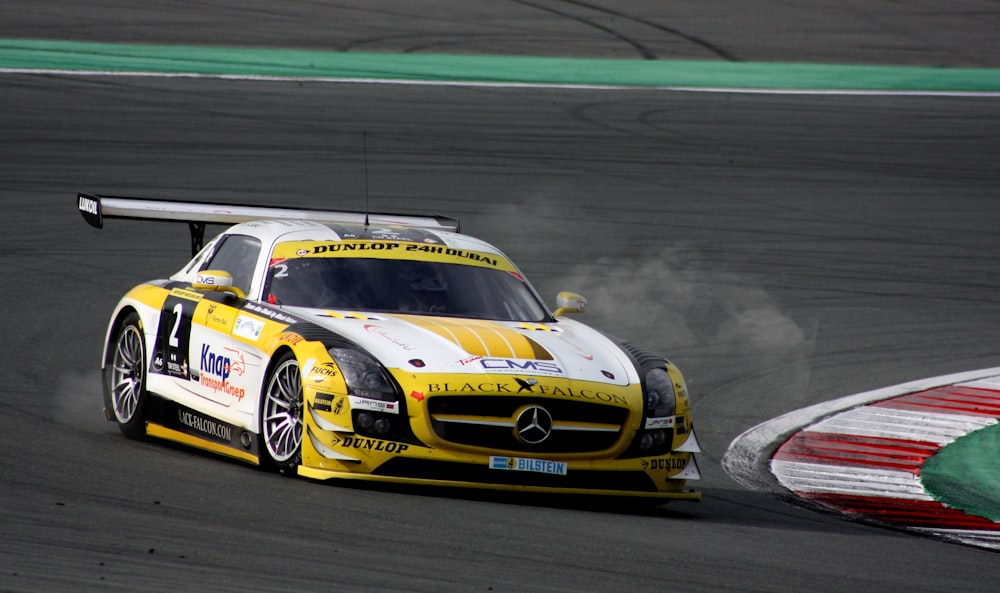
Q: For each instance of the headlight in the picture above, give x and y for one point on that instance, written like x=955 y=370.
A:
x=656 y=436
x=363 y=375
x=660 y=397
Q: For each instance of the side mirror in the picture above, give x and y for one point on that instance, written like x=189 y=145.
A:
x=217 y=280
x=569 y=302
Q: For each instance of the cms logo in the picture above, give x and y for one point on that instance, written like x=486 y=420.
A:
x=509 y=365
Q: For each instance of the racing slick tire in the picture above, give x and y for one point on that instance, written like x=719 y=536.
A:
x=126 y=375
x=281 y=408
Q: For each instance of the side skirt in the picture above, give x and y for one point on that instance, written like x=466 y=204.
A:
x=171 y=421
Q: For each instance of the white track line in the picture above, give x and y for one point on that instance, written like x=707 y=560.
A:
x=513 y=85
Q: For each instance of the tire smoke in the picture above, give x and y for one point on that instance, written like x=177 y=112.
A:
x=79 y=402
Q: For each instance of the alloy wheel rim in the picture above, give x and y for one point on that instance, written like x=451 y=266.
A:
x=283 y=412
x=127 y=374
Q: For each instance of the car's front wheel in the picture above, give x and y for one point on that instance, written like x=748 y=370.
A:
x=127 y=378
x=281 y=415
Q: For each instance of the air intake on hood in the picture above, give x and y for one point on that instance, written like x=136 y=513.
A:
x=645 y=360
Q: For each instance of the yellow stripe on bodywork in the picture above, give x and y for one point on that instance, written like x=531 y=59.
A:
x=481 y=338
x=403 y=250
x=539 y=327
x=162 y=432
x=346 y=315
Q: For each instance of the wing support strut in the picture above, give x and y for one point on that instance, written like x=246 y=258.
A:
x=197 y=237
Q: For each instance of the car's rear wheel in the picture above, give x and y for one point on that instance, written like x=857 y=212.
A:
x=127 y=378
x=281 y=415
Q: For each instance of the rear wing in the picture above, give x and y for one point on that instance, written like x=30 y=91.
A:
x=96 y=208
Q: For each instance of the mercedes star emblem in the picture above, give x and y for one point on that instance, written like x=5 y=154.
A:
x=534 y=425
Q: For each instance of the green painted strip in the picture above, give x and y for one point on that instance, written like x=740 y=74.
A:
x=87 y=56
x=966 y=474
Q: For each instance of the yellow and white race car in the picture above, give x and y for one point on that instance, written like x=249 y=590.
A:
x=383 y=347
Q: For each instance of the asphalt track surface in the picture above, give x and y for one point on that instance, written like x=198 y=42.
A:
x=783 y=250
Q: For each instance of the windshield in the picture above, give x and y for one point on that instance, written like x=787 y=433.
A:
x=402 y=286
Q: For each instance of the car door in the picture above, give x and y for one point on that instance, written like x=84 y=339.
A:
x=219 y=363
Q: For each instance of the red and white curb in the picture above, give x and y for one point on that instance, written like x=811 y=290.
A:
x=862 y=455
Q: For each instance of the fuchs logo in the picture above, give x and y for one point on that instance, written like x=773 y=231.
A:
x=221 y=367
x=510 y=365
